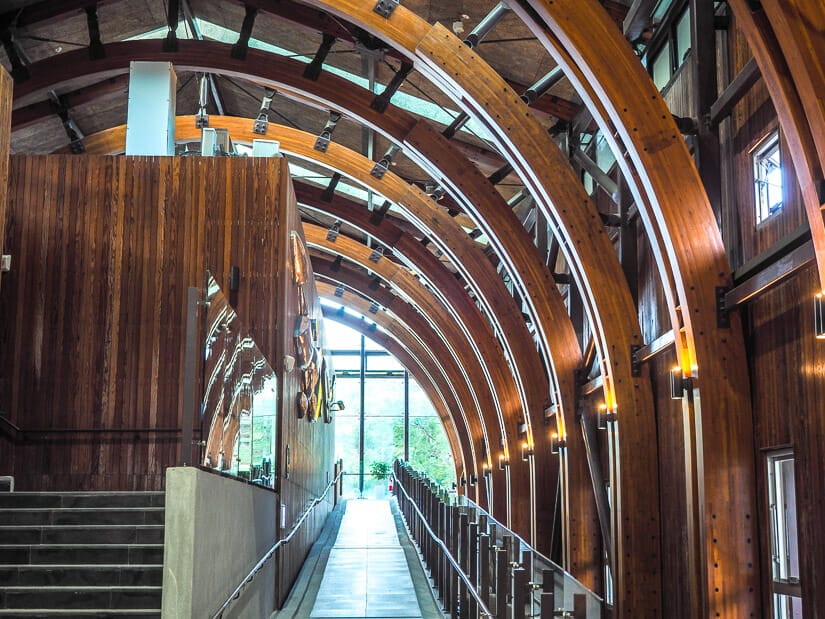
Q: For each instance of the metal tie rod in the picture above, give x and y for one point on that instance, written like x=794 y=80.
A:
x=485 y=25
x=542 y=86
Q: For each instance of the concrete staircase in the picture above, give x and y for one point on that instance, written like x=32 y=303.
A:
x=81 y=554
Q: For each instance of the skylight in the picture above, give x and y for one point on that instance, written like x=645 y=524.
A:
x=410 y=103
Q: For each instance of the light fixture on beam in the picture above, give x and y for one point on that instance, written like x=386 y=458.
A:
x=526 y=451
x=679 y=383
x=605 y=416
x=377 y=253
x=819 y=316
x=473 y=480
x=557 y=443
x=503 y=462
x=485 y=471
x=549 y=411
x=522 y=429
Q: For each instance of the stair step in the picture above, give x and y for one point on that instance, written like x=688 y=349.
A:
x=84 y=576
x=130 y=554
x=84 y=613
x=84 y=516
x=81 y=597
x=21 y=500
x=73 y=534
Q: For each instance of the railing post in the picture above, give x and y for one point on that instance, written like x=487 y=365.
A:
x=484 y=567
x=548 y=594
x=462 y=559
x=473 y=551
x=502 y=582
x=519 y=592
x=444 y=568
x=579 y=606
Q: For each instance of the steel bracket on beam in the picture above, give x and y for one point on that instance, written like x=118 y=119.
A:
x=313 y=69
x=385 y=8
x=329 y=192
x=380 y=102
x=378 y=214
x=18 y=70
x=324 y=138
x=240 y=48
x=377 y=254
x=722 y=312
x=96 y=49
x=332 y=233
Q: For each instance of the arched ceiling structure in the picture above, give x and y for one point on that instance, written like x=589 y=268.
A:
x=502 y=306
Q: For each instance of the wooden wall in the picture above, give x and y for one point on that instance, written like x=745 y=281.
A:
x=6 y=87
x=94 y=310
x=310 y=443
x=788 y=378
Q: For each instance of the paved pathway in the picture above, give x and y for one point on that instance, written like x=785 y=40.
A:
x=367 y=573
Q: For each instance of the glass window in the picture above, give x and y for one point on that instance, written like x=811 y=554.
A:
x=383 y=363
x=787 y=602
x=340 y=337
x=767 y=177
x=661 y=67
x=349 y=391
x=682 y=36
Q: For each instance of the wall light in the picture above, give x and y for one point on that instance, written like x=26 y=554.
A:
x=605 y=416
x=485 y=471
x=819 y=316
x=677 y=383
x=549 y=411
x=556 y=443
x=526 y=451
x=502 y=462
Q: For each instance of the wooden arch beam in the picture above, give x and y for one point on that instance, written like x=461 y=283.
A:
x=456 y=335
x=439 y=55
x=529 y=375
x=435 y=354
x=693 y=264
x=402 y=351
x=425 y=144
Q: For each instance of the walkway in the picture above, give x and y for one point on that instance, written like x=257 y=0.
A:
x=372 y=570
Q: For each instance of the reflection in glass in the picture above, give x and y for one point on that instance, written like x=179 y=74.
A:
x=238 y=415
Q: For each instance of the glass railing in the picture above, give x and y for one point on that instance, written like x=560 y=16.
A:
x=239 y=403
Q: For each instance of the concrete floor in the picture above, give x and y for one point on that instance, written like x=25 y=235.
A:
x=370 y=570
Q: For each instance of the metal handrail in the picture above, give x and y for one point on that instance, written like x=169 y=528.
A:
x=269 y=553
x=485 y=612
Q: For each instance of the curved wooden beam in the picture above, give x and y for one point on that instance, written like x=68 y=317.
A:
x=425 y=145
x=436 y=355
x=439 y=55
x=406 y=355
x=449 y=327
x=690 y=255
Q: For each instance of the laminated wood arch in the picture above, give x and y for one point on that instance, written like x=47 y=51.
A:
x=445 y=60
x=528 y=373
x=691 y=258
x=405 y=352
x=443 y=322
x=410 y=326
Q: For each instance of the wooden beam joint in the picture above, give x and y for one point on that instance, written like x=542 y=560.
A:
x=96 y=49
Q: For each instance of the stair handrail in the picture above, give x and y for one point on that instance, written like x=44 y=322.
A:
x=269 y=553
x=483 y=610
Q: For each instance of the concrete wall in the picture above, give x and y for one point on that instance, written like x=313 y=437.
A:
x=216 y=530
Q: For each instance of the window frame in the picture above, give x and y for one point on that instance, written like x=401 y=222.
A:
x=765 y=148
x=786 y=591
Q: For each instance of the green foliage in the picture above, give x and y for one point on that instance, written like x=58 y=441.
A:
x=380 y=470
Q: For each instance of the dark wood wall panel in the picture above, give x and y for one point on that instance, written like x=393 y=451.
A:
x=94 y=312
x=753 y=118
x=787 y=373
x=310 y=443
x=6 y=87
x=653 y=313
x=672 y=488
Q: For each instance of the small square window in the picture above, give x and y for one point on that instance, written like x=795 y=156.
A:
x=767 y=177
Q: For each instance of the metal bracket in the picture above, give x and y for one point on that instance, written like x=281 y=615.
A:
x=385 y=8
x=322 y=141
x=722 y=312
x=5 y=263
x=261 y=124
x=635 y=362
x=380 y=168
x=377 y=254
